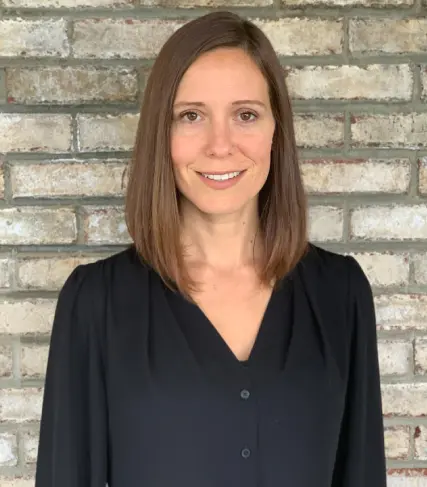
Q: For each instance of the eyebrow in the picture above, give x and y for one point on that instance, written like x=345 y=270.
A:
x=237 y=102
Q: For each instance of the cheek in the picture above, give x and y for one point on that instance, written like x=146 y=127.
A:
x=183 y=151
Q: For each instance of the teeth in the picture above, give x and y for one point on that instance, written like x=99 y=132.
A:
x=222 y=177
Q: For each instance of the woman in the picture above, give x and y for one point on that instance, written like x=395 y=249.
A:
x=221 y=348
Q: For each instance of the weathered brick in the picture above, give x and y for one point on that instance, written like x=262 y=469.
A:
x=63 y=178
x=34 y=360
x=389 y=222
x=395 y=357
x=373 y=82
x=26 y=316
x=346 y=3
x=404 y=399
x=17 y=482
x=33 y=38
x=385 y=35
x=395 y=130
x=356 y=175
x=325 y=223
x=31 y=444
x=423 y=175
x=1 y=181
x=396 y=440
x=420 y=268
x=67 y=3
x=401 y=311
x=8 y=450
x=384 y=269
x=205 y=3
x=5 y=360
x=421 y=442
x=4 y=273
x=107 y=132
x=405 y=477
x=47 y=273
x=316 y=130
x=35 y=132
x=71 y=85
x=111 y=38
x=105 y=225
x=20 y=405
x=302 y=36
x=424 y=82
x=421 y=355
x=32 y=226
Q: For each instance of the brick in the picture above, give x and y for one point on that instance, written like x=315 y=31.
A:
x=5 y=361
x=71 y=85
x=421 y=355
x=346 y=3
x=356 y=176
x=48 y=273
x=20 y=405
x=62 y=178
x=34 y=360
x=389 y=36
x=420 y=268
x=107 y=132
x=384 y=269
x=111 y=38
x=17 y=482
x=396 y=440
x=67 y=3
x=316 y=130
x=325 y=223
x=105 y=225
x=35 y=132
x=424 y=82
x=4 y=273
x=302 y=36
x=206 y=3
x=34 y=38
x=395 y=130
x=404 y=399
x=405 y=477
x=1 y=181
x=389 y=223
x=401 y=312
x=31 y=444
x=19 y=317
x=423 y=175
x=373 y=82
x=395 y=357
x=421 y=442
x=8 y=450
x=32 y=226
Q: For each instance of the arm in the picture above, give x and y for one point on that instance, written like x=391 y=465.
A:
x=360 y=460
x=73 y=438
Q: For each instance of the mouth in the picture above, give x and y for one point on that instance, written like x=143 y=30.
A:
x=221 y=176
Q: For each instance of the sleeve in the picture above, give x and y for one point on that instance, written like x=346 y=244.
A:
x=73 y=433
x=360 y=459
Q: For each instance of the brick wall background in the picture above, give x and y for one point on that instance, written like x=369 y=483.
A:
x=71 y=77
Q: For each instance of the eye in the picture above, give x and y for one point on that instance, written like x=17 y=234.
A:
x=248 y=116
x=189 y=116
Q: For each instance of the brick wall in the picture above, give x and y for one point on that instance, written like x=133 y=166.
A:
x=71 y=77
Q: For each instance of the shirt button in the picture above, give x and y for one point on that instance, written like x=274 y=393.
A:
x=244 y=394
x=246 y=453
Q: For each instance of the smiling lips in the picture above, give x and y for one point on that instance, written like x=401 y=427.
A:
x=221 y=180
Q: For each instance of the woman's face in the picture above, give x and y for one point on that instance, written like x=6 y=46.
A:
x=222 y=132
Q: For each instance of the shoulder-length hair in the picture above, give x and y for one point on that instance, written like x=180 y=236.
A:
x=151 y=204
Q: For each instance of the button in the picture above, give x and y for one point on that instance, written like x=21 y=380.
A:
x=246 y=453
x=244 y=394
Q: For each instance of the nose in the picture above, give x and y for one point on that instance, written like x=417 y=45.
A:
x=219 y=143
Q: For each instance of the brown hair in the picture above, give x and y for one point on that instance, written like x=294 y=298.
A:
x=152 y=209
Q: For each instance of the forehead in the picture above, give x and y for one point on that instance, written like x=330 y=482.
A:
x=225 y=71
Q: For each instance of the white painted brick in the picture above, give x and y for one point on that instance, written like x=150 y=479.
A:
x=401 y=311
x=317 y=130
x=420 y=267
x=33 y=38
x=67 y=3
x=26 y=316
x=421 y=355
x=5 y=360
x=356 y=175
x=384 y=269
x=118 y=38
x=8 y=450
x=347 y=3
x=105 y=225
x=396 y=441
x=67 y=178
x=424 y=82
x=17 y=482
x=31 y=444
x=20 y=405
x=423 y=175
x=42 y=132
x=303 y=36
x=4 y=273
x=325 y=223
x=404 y=399
x=372 y=82
x=30 y=225
x=107 y=132
x=395 y=357
x=1 y=181
x=407 y=478
x=34 y=360
x=395 y=130
x=389 y=222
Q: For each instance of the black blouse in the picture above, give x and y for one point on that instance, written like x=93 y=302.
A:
x=142 y=391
